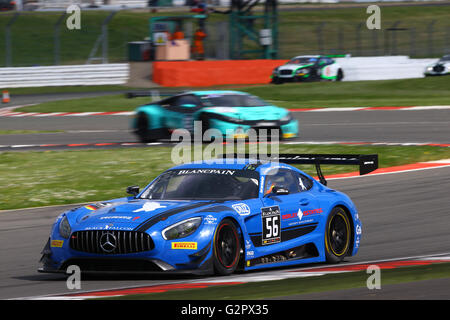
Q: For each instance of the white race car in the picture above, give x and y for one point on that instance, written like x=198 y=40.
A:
x=439 y=68
x=308 y=68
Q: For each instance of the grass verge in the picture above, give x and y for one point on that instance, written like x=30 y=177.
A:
x=32 y=179
x=380 y=93
x=66 y=89
x=296 y=286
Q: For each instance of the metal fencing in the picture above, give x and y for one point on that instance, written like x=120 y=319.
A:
x=30 y=39
x=415 y=39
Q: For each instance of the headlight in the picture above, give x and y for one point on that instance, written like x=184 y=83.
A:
x=275 y=71
x=64 y=228
x=182 y=229
x=288 y=117
x=429 y=68
x=304 y=70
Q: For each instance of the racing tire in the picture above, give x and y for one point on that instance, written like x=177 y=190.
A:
x=142 y=129
x=337 y=235
x=340 y=75
x=277 y=81
x=227 y=248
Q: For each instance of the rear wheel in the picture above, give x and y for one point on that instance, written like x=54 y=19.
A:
x=337 y=236
x=227 y=248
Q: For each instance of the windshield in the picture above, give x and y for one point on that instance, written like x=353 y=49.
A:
x=232 y=100
x=445 y=58
x=303 y=60
x=204 y=184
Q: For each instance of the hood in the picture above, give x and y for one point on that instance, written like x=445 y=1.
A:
x=128 y=215
x=251 y=113
x=294 y=66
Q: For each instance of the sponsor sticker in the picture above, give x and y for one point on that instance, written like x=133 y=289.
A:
x=242 y=209
x=207 y=171
x=110 y=227
x=56 y=243
x=271 y=225
x=209 y=219
x=184 y=245
x=149 y=206
x=116 y=217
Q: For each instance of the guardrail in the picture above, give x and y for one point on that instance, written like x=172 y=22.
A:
x=96 y=74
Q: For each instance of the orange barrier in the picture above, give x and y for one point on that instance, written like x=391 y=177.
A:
x=5 y=96
x=211 y=73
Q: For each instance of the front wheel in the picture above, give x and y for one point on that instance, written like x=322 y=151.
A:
x=142 y=131
x=227 y=248
x=337 y=236
x=340 y=75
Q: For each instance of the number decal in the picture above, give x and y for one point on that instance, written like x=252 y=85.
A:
x=271 y=225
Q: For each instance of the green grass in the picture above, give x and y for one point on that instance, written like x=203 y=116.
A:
x=104 y=103
x=33 y=33
x=32 y=179
x=66 y=89
x=296 y=286
x=408 y=92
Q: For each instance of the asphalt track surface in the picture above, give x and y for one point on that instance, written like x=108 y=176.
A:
x=392 y=126
x=403 y=214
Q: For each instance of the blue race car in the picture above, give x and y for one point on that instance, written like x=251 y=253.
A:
x=215 y=217
x=233 y=113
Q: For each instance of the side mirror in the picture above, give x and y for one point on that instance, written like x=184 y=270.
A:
x=280 y=191
x=133 y=190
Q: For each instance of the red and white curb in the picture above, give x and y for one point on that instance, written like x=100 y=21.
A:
x=63 y=114
x=405 y=108
x=319 y=270
x=395 y=169
x=8 y=112
x=130 y=144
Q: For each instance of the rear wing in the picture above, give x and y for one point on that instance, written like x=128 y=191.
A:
x=366 y=162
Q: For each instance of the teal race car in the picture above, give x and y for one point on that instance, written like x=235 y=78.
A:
x=232 y=113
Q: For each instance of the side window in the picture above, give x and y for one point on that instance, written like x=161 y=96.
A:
x=304 y=183
x=188 y=99
x=283 y=178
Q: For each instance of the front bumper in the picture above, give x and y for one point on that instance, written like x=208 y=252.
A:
x=296 y=78
x=191 y=254
x=288 y=129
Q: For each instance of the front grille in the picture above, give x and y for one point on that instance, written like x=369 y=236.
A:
x=111 y=241
x=438 y=68
x=286 y=72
